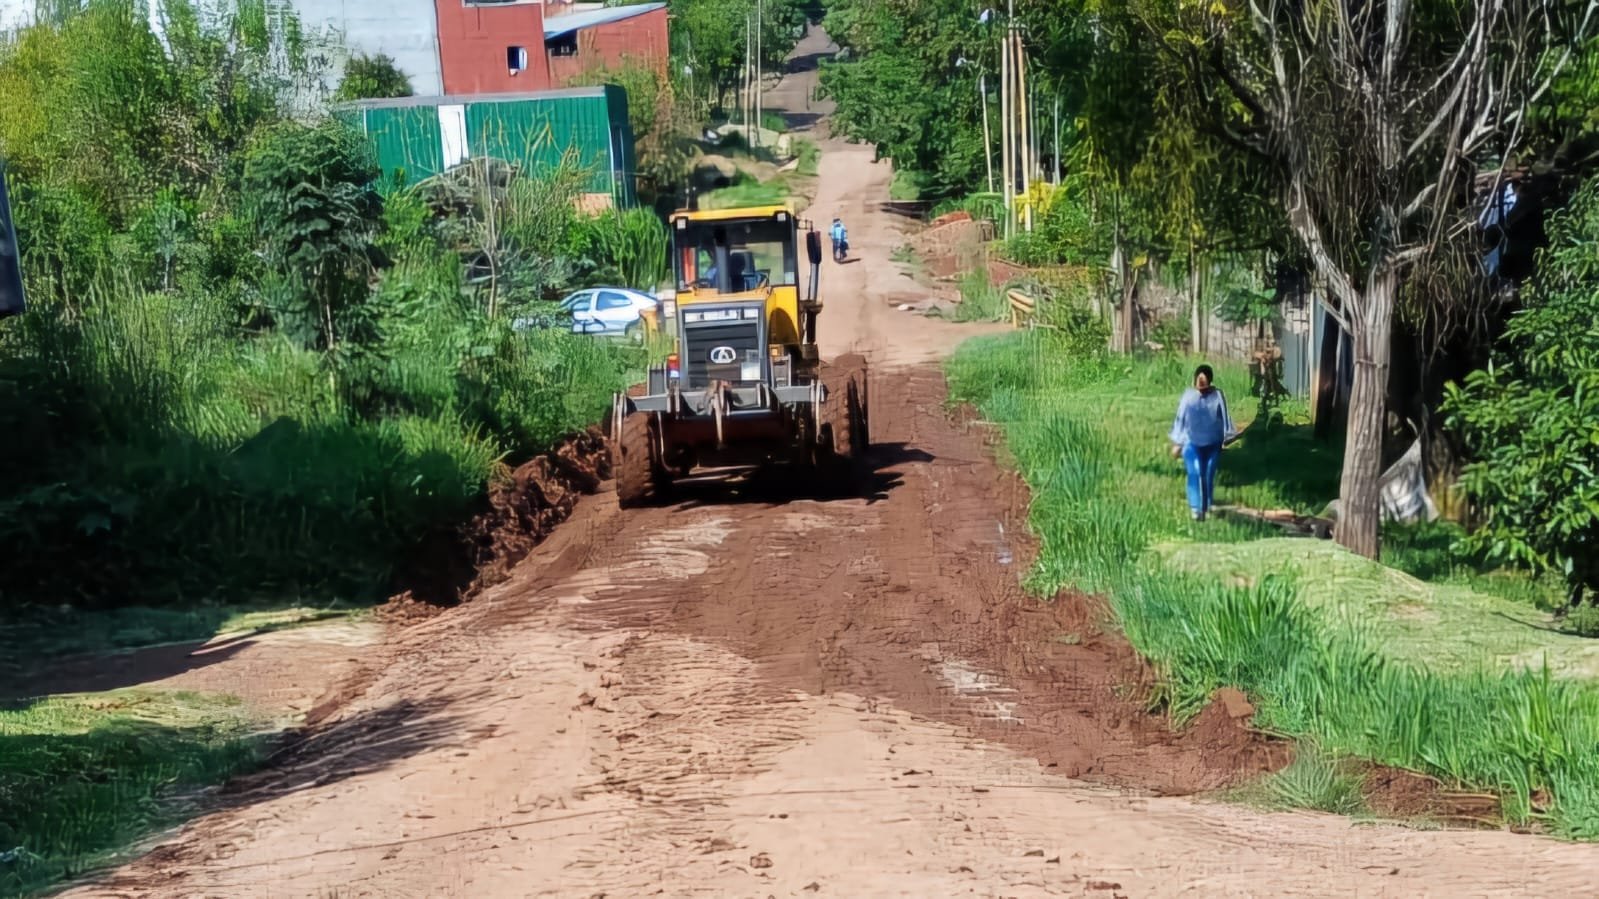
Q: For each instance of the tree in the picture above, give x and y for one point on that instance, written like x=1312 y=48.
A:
x=1371 y=118
x=310 y=192
x=708 y=36
x=104 y=125
x=1531 y=418
x=909 y=85
x=663 y=119
x=372 y=78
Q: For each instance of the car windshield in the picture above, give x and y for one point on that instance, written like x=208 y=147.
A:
x=759 y=252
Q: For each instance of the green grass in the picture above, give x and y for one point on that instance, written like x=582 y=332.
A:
x=159 y=459
x=980 y=300
x=809 y=156
x=746 y=191
x=906 y=187
x=1447 y=626
x=1349 y=671
x=84 y=777
x=1313 y=780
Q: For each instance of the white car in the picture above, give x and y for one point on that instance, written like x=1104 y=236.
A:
x=610 y=311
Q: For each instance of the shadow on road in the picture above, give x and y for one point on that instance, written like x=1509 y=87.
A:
x=100 y=672
x=778 y=484
x=311 y=758
x=911 y=209
x=801 y=121
x=809 y=62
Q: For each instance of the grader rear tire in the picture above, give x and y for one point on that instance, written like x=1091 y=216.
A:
x=632 y=460
x=844 y=437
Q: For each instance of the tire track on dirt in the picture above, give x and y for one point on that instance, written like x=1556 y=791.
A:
x=913 y=600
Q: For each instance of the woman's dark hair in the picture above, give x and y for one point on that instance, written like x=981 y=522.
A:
x=1210 y=376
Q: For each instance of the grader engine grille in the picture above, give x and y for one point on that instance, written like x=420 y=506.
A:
x=722 y=345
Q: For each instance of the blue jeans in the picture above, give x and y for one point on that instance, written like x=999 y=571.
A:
x=1200 y=461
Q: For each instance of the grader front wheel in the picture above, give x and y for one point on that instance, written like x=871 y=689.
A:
x=632 y=459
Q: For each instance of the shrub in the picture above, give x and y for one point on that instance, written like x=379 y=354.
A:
x=1531 y=418
x=629 y=248
x=372 y=78
x=981 y=301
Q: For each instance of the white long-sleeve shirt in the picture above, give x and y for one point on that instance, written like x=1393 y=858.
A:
x=1202 y=419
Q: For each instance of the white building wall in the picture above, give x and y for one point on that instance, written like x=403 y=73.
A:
x=405 y=30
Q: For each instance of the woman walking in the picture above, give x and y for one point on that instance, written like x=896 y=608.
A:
x=1202 y=427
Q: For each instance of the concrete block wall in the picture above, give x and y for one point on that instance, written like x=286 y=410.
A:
x=1224 y=339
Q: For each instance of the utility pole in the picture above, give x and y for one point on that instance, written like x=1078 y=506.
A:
x=1027 y=128
x=1057 y=137
x=1007 y=166
x=749 y=103
x=988 y=144
x=759 y=106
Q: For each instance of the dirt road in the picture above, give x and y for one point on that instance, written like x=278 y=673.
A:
x=745 y=696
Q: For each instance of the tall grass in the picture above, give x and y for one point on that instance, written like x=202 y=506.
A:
x=156 y=458
x=809 y=156
x=981 y=301
x=1088 y=432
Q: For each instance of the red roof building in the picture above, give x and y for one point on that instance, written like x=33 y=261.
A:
x=518 y=46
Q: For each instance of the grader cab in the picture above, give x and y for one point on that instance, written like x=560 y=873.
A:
x=744 y=385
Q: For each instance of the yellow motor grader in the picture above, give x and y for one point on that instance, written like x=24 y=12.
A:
x=743 y=385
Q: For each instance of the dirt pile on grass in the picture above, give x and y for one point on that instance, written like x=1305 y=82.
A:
x=516 y=515
x=952 y=247
x=957 y=244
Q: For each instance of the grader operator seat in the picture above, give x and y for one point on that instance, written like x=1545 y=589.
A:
x=746 y=276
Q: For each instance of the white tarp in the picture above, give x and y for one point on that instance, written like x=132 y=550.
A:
x=1404 y=491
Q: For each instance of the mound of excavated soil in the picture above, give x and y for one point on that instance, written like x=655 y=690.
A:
x=956 y=244
x=517 y=514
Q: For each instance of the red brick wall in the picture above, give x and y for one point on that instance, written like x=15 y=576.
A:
x=472 y=47
x=640 y=40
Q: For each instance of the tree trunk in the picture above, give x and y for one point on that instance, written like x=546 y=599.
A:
x=1360 y=491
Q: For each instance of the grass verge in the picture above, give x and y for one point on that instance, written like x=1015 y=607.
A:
x=1088 y=433
x=746 y=191
x=84 y=777
x=809 y=156
x=981 y=301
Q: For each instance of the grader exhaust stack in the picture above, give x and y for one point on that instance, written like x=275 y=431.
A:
x=744 y=385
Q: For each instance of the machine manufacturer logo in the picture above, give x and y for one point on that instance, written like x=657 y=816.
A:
x=723 y=355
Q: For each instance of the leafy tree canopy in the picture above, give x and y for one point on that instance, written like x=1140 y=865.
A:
x=372 y=78
x=709 y=37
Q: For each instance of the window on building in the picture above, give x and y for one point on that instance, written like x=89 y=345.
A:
x=562 y=45
x=516 y=59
